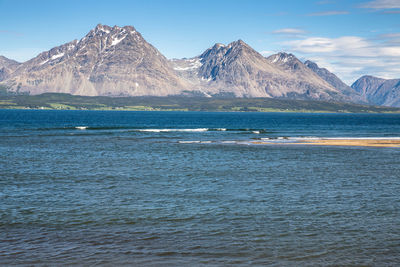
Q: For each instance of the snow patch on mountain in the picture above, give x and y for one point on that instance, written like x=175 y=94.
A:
x=57 y=56
x=191 y=64
x=117 y=40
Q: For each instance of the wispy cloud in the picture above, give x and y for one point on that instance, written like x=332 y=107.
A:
x=388 y=39
x=267 y=52
x=350 y=56
x=328 y=13
x=390 y=35
x=382 y=4
x=391 y=12
x=11 y=33
x=327 y=45
x=289 y=31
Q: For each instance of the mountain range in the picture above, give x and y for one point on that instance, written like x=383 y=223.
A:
x=118 y=61
x=379 y=91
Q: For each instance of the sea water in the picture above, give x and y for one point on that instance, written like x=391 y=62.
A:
x=191 y=188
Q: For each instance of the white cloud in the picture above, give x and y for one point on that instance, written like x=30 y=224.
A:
x=350 y=57
x=393 y=51
x=355 y=44
x=390 y=38
x=382 y=4
x=329 y=13
x=289 y=31
x=390 y=35
x=267 y=53
x=11 y=33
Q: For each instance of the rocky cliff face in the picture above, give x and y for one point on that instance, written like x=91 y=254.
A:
x=114 y=61
x=333 y=80
x=379 y=91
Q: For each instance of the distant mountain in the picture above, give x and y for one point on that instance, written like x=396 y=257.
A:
x=379 y=91
x=7 y=66
x=113 y=61
x=307 y=78
x=333 y=80
x=238 y=70
x=117 y=61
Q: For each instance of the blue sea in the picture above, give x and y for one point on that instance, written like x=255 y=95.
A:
x=195 y=189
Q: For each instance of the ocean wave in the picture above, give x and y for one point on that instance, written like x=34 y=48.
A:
x=241 y=130
x=81 y=127
x=188 y=142
x=195 y=142
x=244 y=130
x=173 y=130
x=154 y=130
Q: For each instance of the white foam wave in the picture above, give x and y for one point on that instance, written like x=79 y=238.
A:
x=81 y=127
x=195 y=142
x=280 y=138
x=174 y=130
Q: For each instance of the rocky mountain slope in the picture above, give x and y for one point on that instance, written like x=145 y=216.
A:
x=333 y=80
x=297 y=69
x=379 y=91
x=7 y=66
x=238 y=70
x=113 y=61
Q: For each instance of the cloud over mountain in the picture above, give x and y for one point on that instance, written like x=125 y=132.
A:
x=351 y=56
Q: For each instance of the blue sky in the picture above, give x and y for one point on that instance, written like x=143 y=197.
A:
x=350 y=38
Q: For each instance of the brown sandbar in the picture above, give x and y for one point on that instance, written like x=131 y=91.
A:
x=342 y=142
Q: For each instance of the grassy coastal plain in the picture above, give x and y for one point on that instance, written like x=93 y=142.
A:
x=58 y=101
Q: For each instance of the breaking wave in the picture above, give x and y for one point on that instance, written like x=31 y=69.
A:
x=173 y=130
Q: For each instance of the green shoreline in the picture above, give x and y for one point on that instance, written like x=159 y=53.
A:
x=58 y=101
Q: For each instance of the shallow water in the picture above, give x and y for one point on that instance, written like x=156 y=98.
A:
x=122 y=189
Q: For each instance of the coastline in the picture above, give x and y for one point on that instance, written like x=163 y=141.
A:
x=361 y=142
x=57 y=101
x=150 y=109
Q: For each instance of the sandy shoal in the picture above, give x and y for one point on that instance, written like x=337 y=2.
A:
x=343 y=142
